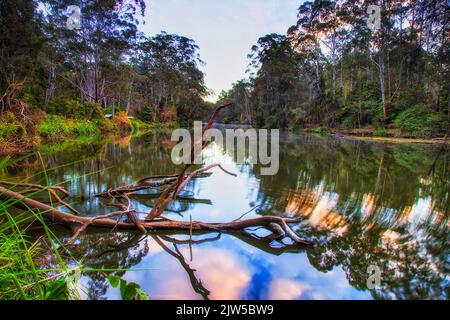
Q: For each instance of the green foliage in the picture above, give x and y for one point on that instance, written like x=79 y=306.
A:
x=20 y=42
x=322 y=130
x=437 y=123
x=411 y=122
x=11 y=128
x=82 y=109
x=106 y=125
x=147 y=114
x=76 y=109
x=20 y=276
x=421 y=121
x=55 y=128
x=128 y=291
x=55 y=290
x=380 y=133
x=168 y=68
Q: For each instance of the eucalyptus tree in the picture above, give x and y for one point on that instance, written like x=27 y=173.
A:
x=169 y=66
x=276 y=81
x=107 y=31
x=240 y=96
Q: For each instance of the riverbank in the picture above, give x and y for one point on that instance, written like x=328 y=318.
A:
x=52 y=131
x=389 y=135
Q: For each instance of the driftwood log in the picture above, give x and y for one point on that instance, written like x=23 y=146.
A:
x=77 y=224
x=154 y=220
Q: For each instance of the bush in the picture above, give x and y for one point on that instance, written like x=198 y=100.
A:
x=138 y=125
x=421 y=121
x=122 y=122
x=76 y=109
x=322 y=130
x=83 y=110
x=11 y=128
x=380 y=133
x=106 y=125
x=437 y=123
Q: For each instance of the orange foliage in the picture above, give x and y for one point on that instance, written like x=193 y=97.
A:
x=169 y=114
x=122 y=122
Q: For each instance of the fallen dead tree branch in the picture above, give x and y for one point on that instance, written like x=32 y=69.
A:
x=34 y=188
x=77 y=223
x=172 y=191
x=154 y=221
x=145 y=184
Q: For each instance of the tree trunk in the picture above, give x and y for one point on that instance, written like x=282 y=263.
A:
x=50 y=90
x=129 y=100
x=382 y=87
x=113 y=110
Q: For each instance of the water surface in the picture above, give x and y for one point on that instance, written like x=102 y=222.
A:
x=362 y=203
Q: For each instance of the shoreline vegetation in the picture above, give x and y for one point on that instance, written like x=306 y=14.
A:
x=330 y=72
x=51 y=131
x=370 y=134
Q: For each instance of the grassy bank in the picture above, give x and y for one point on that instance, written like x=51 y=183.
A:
x=30 y=269
x=47 y=130
x=390 y=134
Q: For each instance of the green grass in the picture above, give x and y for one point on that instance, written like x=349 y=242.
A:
x=25 y=270
x=20 y=275
x=380 y=133
x=54 y=128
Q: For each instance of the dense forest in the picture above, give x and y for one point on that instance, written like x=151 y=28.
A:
x=51 y=72
x=330 y=70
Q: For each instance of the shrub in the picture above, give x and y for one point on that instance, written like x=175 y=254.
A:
x=138 y=125
x=421 y=121
x=437 y=123
x=77 y=109
x=322 y=130
x=83 y=109
x=106 y=125
x=11 y=128
x=55 y=127
x=84 y=128
x=122 y=122
x=380 y=133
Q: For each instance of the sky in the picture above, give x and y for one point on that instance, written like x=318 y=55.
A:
x=225 y=30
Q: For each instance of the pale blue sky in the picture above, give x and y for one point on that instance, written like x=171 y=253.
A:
x=224 y=30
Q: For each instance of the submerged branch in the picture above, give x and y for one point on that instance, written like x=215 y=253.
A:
x=79 y=223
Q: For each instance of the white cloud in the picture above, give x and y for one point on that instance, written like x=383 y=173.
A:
x=224 y=30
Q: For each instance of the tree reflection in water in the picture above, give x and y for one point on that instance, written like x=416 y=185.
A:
x=362 y=204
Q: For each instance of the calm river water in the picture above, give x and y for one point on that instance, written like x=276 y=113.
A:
x=365 y=205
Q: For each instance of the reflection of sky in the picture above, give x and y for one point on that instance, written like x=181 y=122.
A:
x=230 y=196
x=232 y=269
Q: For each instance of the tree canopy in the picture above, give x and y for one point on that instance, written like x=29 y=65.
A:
x=332 y=69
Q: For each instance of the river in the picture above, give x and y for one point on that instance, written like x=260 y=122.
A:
x=365 y=205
